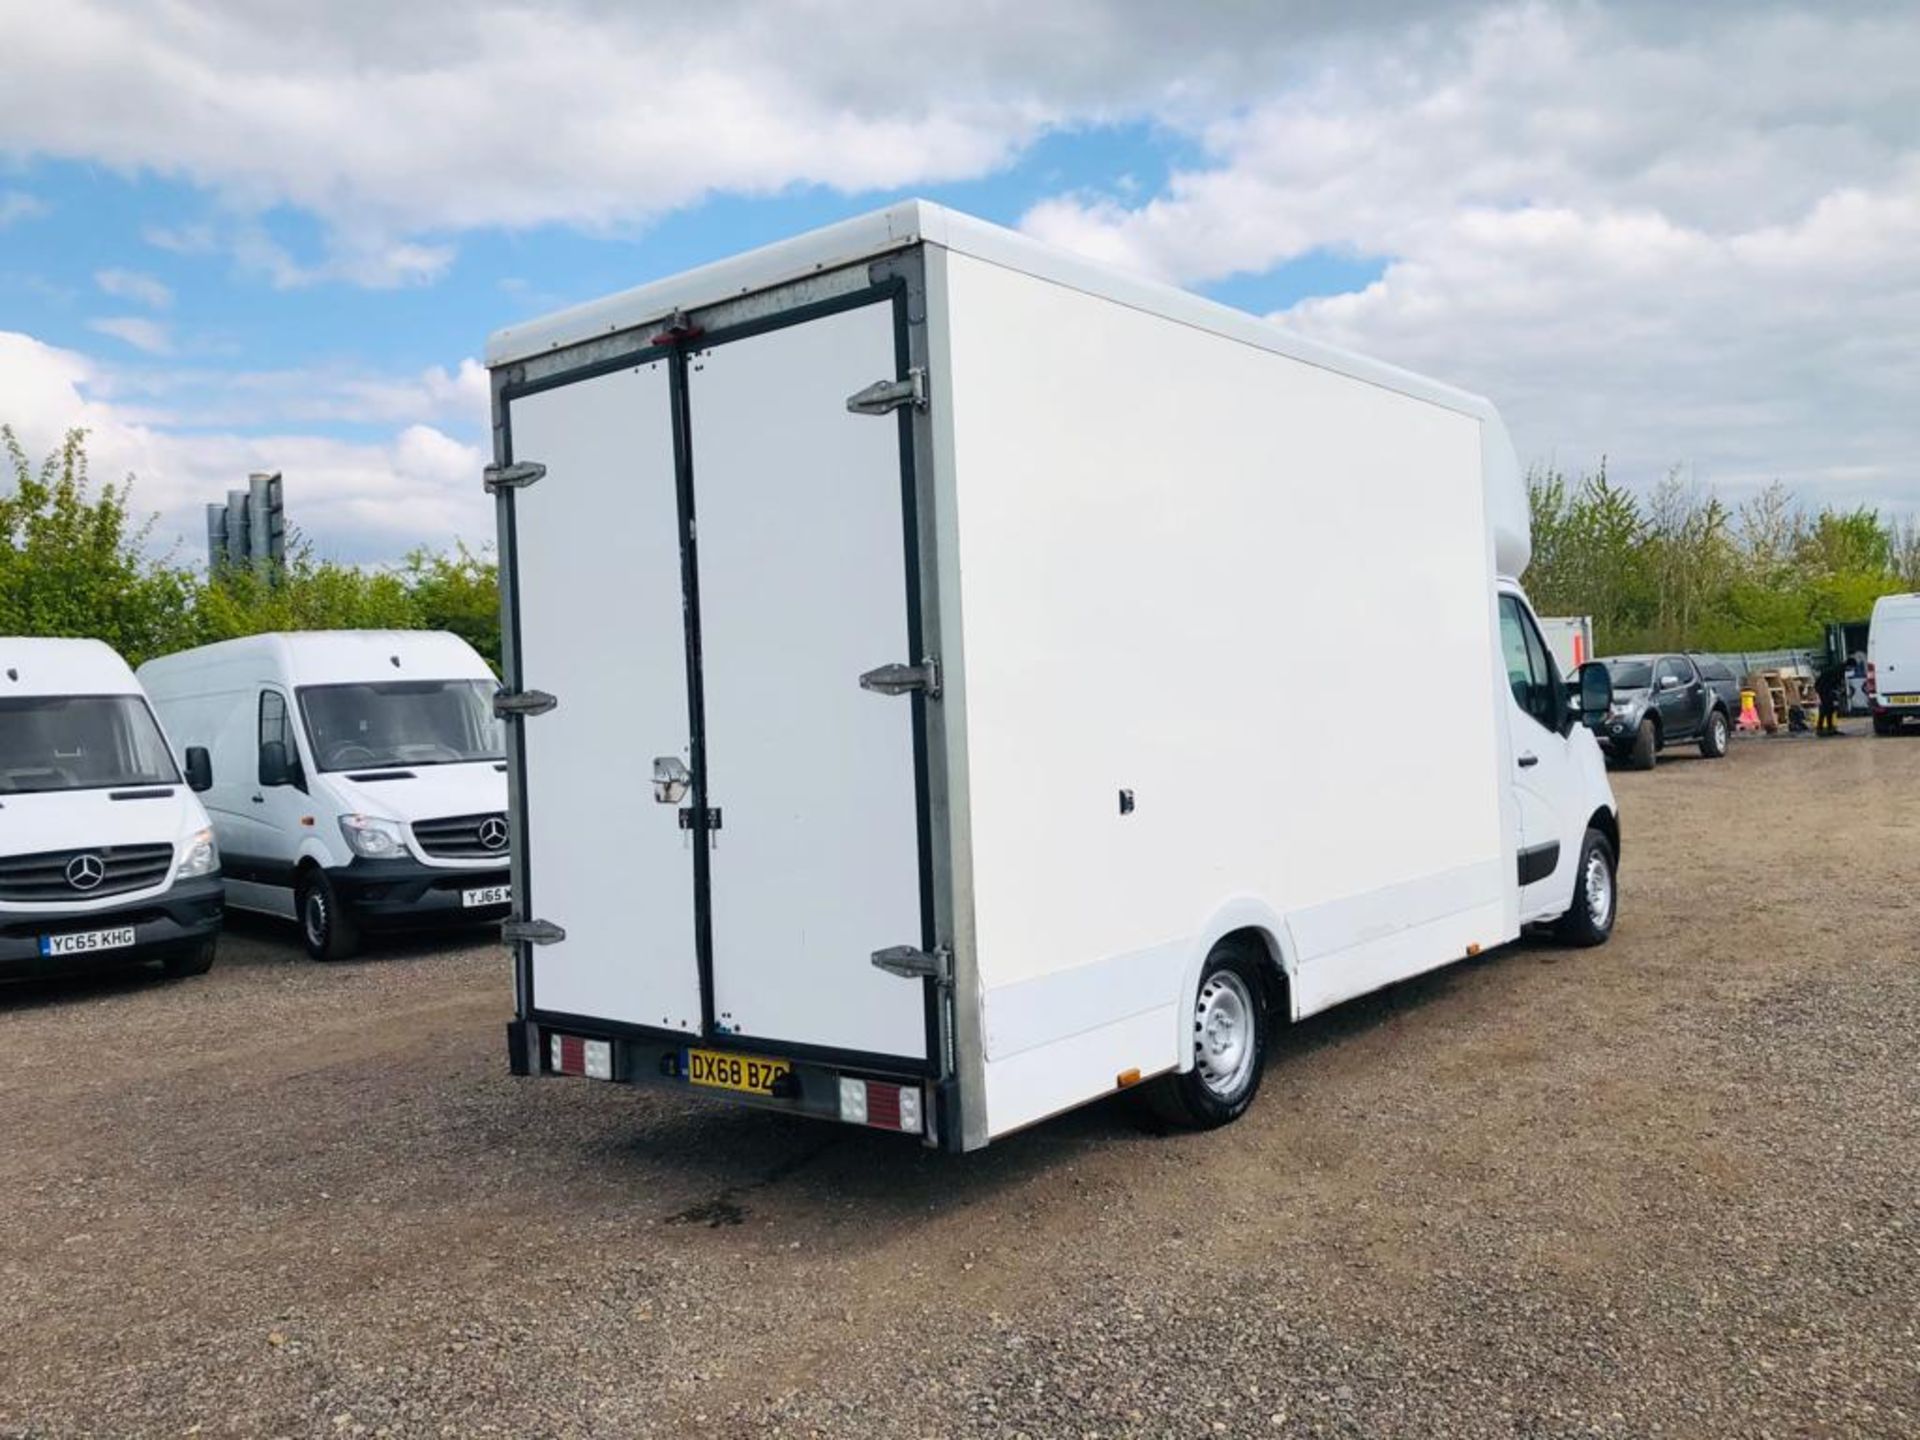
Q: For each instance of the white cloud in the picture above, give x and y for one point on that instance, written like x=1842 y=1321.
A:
x=358 y=501
x=132 y=285
x=1673 y=233
x=16 y=205
x=137 y=331
x=1693 y=241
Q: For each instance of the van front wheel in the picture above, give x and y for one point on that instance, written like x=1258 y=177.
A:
x=1229 y=1038
x=328 y=930
x=1596 y=891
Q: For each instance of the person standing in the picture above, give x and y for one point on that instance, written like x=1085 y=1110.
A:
x=1830 y=687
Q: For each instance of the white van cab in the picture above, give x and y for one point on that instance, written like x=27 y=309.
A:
x=360 y=780
x=1893 y=662
x=104 y=850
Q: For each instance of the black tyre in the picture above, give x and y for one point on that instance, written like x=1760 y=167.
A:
x=183 y=963
x=1885 y=724
x=1646 y=742
x=326 y=927
x=1596 y=892
x=1229 y=1044
x=1713 y=739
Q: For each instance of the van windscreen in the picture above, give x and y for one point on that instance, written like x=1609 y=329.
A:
x=401 y=722
x=80 y=742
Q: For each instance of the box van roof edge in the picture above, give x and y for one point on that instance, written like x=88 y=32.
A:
x=908 y=223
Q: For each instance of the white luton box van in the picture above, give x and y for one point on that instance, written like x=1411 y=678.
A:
x=104 y=850
x=359 y=777
x=997 y=636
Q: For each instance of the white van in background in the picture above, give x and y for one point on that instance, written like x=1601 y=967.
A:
x=360 y=780
x=104 y=851
x=1893 y=662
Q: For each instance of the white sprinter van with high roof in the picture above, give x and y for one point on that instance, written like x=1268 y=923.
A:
x=105 y=852
x=360 y=780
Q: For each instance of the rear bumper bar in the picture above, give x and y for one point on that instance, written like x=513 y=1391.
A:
x=812 y=1088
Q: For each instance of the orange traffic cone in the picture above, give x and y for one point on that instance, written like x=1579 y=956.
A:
x=1749 y=718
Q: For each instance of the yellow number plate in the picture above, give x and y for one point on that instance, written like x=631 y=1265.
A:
x=748 y=1073
x=1903 y=699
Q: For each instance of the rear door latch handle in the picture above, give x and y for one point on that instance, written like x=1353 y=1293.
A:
x=1527 y=762
x=670 y=779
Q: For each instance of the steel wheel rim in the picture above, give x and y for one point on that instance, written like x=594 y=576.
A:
x=1599 y=889
x=1719 y=732
x=1223 y=1039
x=316 y=918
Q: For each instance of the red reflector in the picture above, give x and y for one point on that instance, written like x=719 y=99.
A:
x=883 y=1105
x=573 y=1055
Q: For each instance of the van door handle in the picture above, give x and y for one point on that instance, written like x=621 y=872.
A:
x=1528 y=761
x=259 y=799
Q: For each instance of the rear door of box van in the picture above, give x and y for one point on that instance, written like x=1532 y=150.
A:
x=725 y=825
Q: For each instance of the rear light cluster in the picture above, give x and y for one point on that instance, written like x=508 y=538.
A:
x=1870 y=685
x=575 y=1055
x=879 y=1104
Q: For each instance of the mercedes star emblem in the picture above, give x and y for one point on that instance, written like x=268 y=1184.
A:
x=493 y=833
x=85 y=871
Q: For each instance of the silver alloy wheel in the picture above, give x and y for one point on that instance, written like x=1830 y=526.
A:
x=1599 y=888
x=1223 y=1039
x=1719 y=731
x=316 y=918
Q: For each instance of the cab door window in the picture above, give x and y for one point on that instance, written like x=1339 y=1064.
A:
x=1671 y=667
x=276 y=730
x=1531 y=673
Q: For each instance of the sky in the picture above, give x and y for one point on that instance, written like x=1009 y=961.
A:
x=274 y=236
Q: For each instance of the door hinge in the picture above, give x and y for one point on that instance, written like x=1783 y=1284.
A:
x=521 y=702
x=534 y=932
x=511 y=477
x=886 y=395
x=700 y=817
x=912 y=963
x=900 y=679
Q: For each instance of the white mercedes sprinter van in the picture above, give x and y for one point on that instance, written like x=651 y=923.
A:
x=1893 y=662
x=104 y=849
x=360 y=779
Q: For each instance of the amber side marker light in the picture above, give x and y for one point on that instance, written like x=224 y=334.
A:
x=1473 y=950
x=1126 y=1078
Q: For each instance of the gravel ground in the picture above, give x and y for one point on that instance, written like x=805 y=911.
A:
x=1664 y=1188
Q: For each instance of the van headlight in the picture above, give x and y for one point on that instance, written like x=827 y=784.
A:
x=199 y=856
x=372 y=838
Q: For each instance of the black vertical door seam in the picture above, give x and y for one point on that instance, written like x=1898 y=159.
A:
x=677 y=390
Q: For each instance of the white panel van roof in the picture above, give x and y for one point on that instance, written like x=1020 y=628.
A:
x=335 y=657
x=38 y=666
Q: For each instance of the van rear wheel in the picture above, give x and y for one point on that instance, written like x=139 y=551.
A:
x=328 y=930
x=1229 y=1045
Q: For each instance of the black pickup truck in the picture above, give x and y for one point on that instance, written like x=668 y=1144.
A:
x=1661 y=700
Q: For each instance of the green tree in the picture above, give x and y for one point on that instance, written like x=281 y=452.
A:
x=73 y=561
x=458 y=592
x=309 y=594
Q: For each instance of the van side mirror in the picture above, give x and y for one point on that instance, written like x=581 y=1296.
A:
x=199 y=769
x=276 y=766
x=1592 y=692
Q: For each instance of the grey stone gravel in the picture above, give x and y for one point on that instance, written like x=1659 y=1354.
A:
x=1667 y=1188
